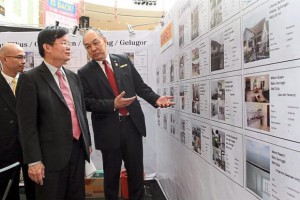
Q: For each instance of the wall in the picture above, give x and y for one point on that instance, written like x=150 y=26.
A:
x=232 y=67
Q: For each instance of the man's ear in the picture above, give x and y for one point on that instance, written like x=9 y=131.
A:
x=46 y=47
x=105 y=40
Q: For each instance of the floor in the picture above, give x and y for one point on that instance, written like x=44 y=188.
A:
x=152 y=192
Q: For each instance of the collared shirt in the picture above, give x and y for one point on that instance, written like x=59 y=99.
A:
x=53 y=72
x=102 y=65
x=9 y=79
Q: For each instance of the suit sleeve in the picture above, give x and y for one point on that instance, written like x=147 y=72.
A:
x=26 y=108
x=84 y=111
x=93 y=103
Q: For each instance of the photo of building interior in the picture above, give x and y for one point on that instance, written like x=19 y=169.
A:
x=257 y=102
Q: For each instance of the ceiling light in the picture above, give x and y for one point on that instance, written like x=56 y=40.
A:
x=130 y=27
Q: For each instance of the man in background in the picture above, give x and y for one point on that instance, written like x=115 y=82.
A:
x=111 y=85
x=12 y=57
x=52 y=119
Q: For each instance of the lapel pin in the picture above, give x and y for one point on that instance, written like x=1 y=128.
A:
x=116 y=64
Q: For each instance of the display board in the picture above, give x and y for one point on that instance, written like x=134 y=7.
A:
x=233 y=71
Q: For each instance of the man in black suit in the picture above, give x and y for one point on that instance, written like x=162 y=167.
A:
x=12 y=57
x=111 y=84
x=52 y=120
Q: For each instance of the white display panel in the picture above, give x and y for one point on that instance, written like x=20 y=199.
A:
x=227 y=154
x=200 y=58
x=226 y=100
x=270 y=33
x=225 y=49
x=271 y=103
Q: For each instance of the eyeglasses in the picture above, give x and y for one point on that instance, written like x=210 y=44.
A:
x=19 y=57
x=64 y=43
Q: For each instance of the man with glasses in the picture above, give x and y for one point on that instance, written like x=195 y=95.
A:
x=52 y=119
x=12 y=57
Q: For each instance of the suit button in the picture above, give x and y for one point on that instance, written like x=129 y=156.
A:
x=11 y=121
x=5 y=109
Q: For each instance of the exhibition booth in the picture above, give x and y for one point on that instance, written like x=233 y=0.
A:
x=233 y=68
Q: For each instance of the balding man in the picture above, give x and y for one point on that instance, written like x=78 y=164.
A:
x=111 y=84
x=12 y=57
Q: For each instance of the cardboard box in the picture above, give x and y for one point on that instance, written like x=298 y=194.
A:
x=94 y=185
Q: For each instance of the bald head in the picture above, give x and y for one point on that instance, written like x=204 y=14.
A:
x=95 y=31
x=9 y=48
x=95 y=44
x=12 y=59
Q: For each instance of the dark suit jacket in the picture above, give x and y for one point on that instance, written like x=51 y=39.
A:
x=45 y=120
x=99 y=99
x=10 y=148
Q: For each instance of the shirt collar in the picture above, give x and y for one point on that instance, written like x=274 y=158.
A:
x=54 y=69
x=8 y=78
x=107 y=59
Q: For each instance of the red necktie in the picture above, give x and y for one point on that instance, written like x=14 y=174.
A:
x=68 y=98
x=113 y=84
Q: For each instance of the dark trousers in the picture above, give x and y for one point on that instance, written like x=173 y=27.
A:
x=67 y=184
x=29 y=185
x=131 y=152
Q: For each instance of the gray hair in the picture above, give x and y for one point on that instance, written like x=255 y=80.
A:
x=96 y=30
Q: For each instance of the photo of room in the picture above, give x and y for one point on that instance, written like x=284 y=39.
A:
x=164 y=73
x=172 y=124
x=218 y=99
x=182 y=131
x=218 y=110
x=181 y=67
x=216 y=12
x=181 y=35
x=257 y=98
x=258 y=168
x=196 y=98
x=217 y=52
x=218 y=148
x=158 y=116
x=218 y=90
x=196 y=138
x=29 y=60
x=182 y=97
x=195 y=62
x=172 y=93
x=165 y=121
x=257 y=89
x=172 y=68
x=258 y=115
x=195 y=23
